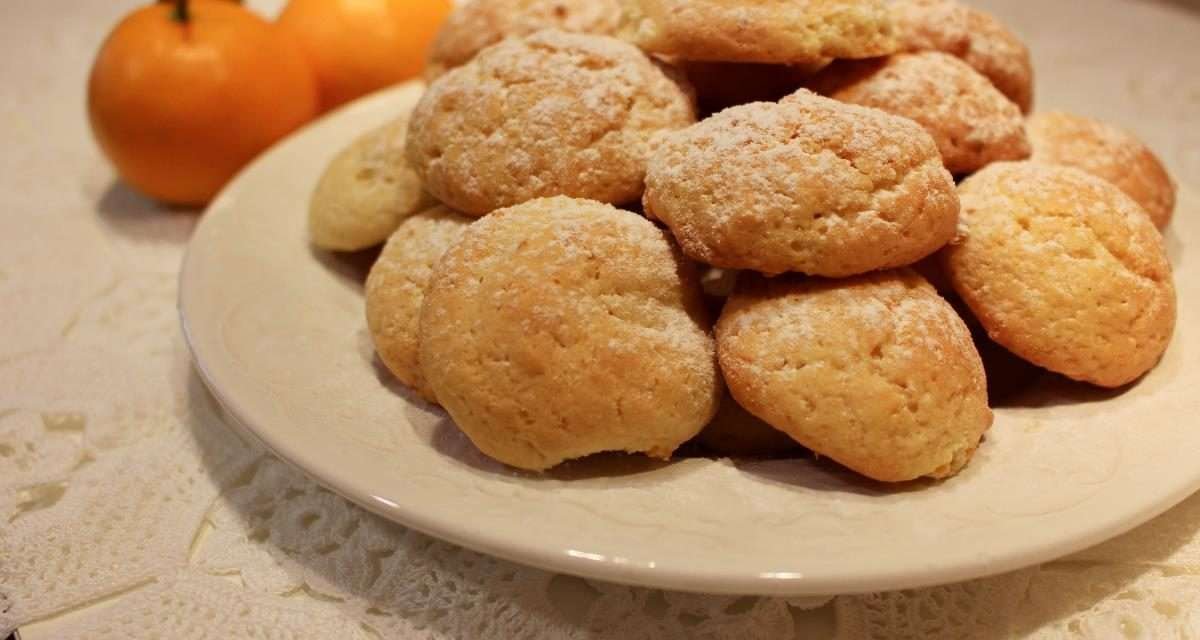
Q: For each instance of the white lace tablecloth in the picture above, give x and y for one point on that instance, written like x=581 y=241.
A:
x=128 y=509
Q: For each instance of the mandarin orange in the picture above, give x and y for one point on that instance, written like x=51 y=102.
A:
x=358 y=46
x=182 y=96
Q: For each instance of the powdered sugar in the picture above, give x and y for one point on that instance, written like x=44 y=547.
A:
x=795 y=185
x=477 y=24
x=554 y=113
x=972 y=123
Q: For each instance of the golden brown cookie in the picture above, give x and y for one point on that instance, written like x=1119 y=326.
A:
x=477 y=24
x=999 y=55
x=931 y=25
x=978 y=38
x=736 y=432
x=1108 y=152
x=1065 y=270
x=773 y=31
x=809 y=184
x=555 y=113
x=876 y=372
x=366 y=191
x=396 y=287
x=972 y=123
x=559 y=328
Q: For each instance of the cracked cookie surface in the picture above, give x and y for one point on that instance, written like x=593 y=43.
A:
x=1108 y=152
x=1065 y=270
x=971 y=121
x=395 y=290
x=477 y=24
x=876 y=372
x=808 y=184
x=559 y=328
x=774 y=31
x=982 y=41
x=554 y=113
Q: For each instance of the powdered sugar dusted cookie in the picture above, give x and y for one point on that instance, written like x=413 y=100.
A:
x=396 y=285
x=477 y=24
x=931 y=25
x=972 y=123
x=1065 y=270
x=999 y=55
x=366 y=191
x=776 y=31
x=1106 y=151
x=559 y=328
x=555 y=113
x=978 y=38
x=808 y=184
x=877 y=372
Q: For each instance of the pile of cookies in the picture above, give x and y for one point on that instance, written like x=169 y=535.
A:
x=623 y=226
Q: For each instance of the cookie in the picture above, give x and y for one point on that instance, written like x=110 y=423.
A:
x=771 y=31
x=808 y=184
x=396 y=285
x=1001 y=57
x=554 y=113
x=876 y=372
x=971 y=121
x=1108 y=152
x=735 y=432
x=366 y=191
x=559 y=328
x=1065 y=270
x=982 y=41
x=931 y=25
x=477 y=24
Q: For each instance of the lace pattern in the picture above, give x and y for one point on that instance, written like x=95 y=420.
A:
x=129 y=510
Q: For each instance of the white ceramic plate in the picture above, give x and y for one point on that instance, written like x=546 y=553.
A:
x=278 y=333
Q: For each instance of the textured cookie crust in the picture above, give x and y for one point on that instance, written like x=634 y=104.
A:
x=809 y=184
x=396 y=285
x=972 y=123
x=1108 y=152
x=1065 y=270
x=555 y=113
x=560 y=328
x=999 y=55
x=931 y=25
x=777 y=31
x=477 y=24
x=876 y=372
x=978 y=38
x=736 y=432
x=366 y=191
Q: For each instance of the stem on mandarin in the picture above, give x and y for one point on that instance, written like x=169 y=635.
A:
x=181 y=13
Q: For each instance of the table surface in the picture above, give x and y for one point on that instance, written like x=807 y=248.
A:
x=130 y=509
